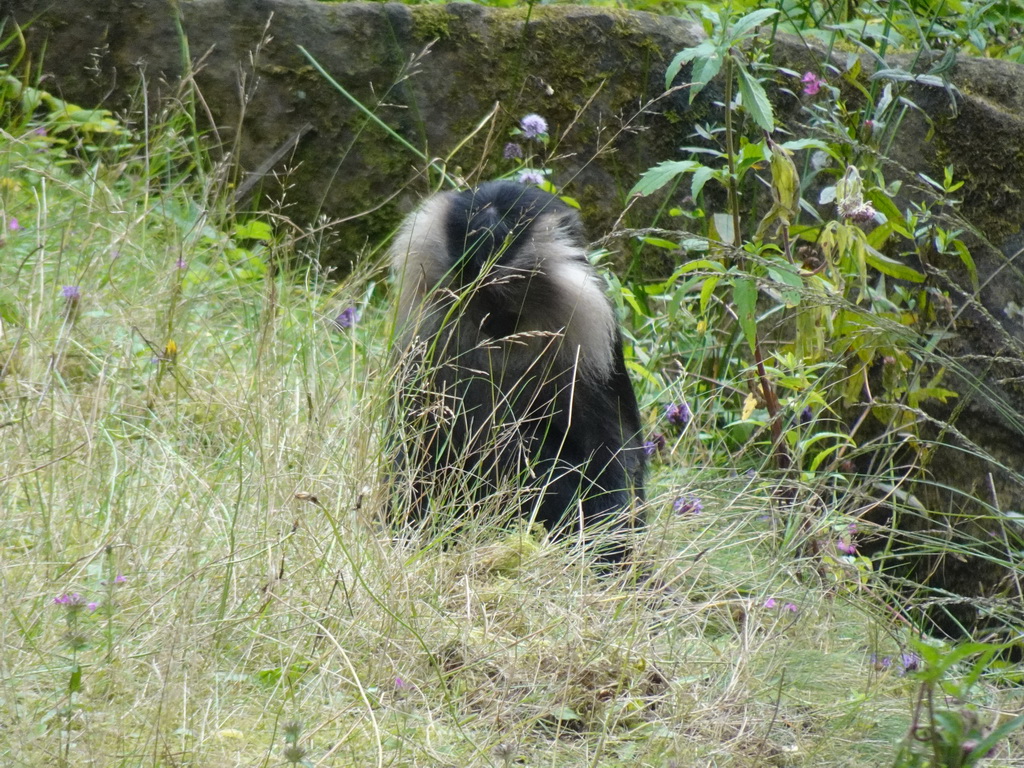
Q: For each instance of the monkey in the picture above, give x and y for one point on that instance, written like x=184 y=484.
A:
x=513 y=370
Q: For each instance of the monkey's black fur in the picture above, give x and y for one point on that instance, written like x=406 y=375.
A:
x=514 y=368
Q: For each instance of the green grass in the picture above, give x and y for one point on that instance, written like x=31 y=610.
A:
x=196 y=423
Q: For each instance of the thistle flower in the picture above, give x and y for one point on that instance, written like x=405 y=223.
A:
x=533 y=126
x=513 y=151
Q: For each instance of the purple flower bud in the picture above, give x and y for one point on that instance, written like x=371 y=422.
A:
x=513 y=151
x=72 y=293
x=678 y=415
x=770 y=603
x=688 y=505
x=846 y=547
x=13 y=225
x=346 y=318
x=656 y=443
x=909 y=662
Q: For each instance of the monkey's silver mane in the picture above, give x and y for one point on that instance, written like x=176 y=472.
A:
x=571 y=302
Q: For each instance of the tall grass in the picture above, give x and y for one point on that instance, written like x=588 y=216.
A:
x=195 y=568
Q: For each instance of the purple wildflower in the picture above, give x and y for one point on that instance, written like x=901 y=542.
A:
x=400 y=684
x=688 y=505
x=770 y=602
x=13 y=225
x=181 y=264
x=530 y=177
x=678 y=414
x=909 y=662
x=71 y=293
x=73 y=601
x=880 y=662
x=513 y=151
x=806 y=416
x=120 y=579
x=92 y=606
x=533 y=126
x=791 y=607
x=812 y=83
x=846 y=547
x=346 y=318
x=656 y=443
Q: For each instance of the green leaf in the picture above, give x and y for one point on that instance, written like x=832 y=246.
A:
x=706 y=291
x=988 y=743
x=744 y=298
x=891 y=267
x=658 y=242
x=700 y=177
x=661 y=174
x=706 y=48
x=968 y=261
x=692 y=266
x=884 y=204
x=704 y=70
x=751 y=20
x=798 y=144
x=755 y=100
x=789 y=281
x=75 y=681
x=254 y=229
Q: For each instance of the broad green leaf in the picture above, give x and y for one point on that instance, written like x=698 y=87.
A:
x=700 y=177
x=884 y=204
x=706 y=292
x=798 y=144
x=254 y=229
x=704 y=70
x=744 y=298
x=706 y=48
x=755 y=100
x=661 y=174
x=891 y=267
x=751 y=20
x=723 y=226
